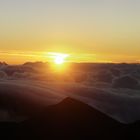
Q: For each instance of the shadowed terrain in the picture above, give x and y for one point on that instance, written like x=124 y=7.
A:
x=70 y=119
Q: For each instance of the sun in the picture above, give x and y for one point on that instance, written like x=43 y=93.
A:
x=59 y=60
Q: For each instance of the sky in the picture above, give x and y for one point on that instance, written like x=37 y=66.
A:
x=87 y=30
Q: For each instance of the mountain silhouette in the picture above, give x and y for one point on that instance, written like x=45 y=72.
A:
x=70 y=119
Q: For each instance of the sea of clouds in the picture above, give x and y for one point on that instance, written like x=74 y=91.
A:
x=113 y=89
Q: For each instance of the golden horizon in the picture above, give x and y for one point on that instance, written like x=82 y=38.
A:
x=20 y=57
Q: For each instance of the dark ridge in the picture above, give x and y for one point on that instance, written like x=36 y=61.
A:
x=73 y=119
x=70 y=120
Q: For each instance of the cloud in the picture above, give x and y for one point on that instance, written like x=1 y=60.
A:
x=126 y=82
x=3 y=75
x=28 y=89
x=115 y=72
x=104 y=76
x=26 y=98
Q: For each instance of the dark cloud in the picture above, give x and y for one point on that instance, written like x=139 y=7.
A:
x=115 y=72
x=3 y=75
x=126 y=82
x=104 y=76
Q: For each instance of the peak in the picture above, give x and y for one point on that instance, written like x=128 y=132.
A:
x=70 y=100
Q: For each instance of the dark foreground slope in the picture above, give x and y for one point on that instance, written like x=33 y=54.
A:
x=70 y=119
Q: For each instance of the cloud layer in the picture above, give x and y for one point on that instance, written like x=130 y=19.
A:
x=26 y=89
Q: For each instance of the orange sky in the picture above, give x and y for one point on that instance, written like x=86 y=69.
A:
x=89 y=31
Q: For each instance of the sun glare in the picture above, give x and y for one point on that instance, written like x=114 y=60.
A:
x=58 y=58
x=58 y=61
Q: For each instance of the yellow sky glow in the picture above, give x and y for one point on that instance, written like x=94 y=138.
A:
x=21 y=57
x=86 y=30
